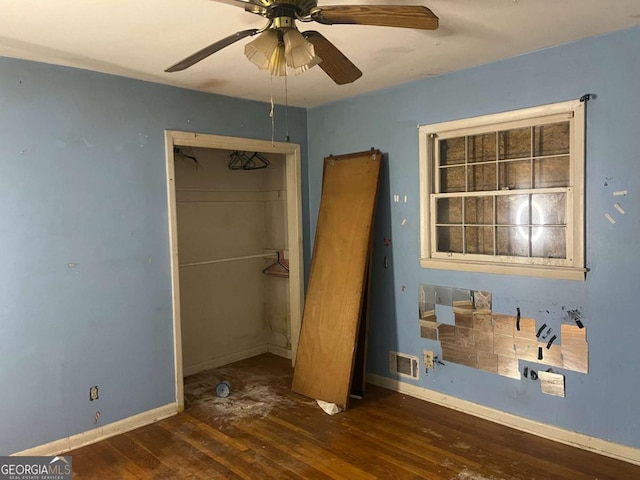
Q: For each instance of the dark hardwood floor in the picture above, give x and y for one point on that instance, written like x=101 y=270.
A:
x=265 y=431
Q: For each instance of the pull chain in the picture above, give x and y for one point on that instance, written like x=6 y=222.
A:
x=286 y=106
x=286 y=111
x=271 y=114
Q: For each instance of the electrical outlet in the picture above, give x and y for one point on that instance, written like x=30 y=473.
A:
x=428 y=359
x=93 y=393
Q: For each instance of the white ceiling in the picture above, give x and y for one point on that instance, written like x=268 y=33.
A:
x=141 y=38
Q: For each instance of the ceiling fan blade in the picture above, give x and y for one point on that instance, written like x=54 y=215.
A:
x=339 y=68
x=211 y=49
x=409 y=16
x=253 y=6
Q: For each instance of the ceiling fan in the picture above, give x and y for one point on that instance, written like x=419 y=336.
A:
x=279 y=43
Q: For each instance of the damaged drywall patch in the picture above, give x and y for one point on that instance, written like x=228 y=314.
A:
x=143 y=139
x=574 y=315
x=619 y=208
x=479 y=338
x=552 y=383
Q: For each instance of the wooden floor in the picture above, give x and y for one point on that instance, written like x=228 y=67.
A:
x=264 y=431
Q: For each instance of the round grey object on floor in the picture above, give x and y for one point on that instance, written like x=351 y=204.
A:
x=223 y=389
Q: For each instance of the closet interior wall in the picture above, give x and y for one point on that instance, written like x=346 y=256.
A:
x=230 y=309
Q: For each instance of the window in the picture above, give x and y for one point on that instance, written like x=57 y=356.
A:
x=504 y=193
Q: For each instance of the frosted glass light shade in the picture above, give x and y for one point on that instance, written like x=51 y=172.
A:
x=278 y=63
x=315 y=61
x=298 y=51
x=261 y=50
x=274 y=50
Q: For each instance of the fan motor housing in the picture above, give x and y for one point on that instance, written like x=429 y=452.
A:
x=293 y=8
x=304 y=5
x=284 y=22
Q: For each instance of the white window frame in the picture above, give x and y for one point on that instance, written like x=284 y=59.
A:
x=571 y=268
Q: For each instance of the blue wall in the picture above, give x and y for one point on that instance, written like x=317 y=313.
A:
x=85 y=292
x=602 y=403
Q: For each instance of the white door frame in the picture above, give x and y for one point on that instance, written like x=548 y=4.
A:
x=294 y=228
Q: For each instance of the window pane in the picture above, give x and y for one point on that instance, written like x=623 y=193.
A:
x=482 y=148
x=512 y=209
x=515 y=143
x=549 y=242
x=499 y=193
x=449 y=239
x=551 y=172
x=549 y=208
x=449 y=210
x=479 y=240
x=513 y=241
x=551 y=139
x=481 y=177
x=478 y=210
x=515 y=175
x=452 y=179
x=452 y=151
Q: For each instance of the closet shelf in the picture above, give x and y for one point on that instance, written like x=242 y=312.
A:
x=230 y=259
x=206 y=196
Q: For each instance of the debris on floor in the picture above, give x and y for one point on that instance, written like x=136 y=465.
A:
x=329 y=408
x=251 y=396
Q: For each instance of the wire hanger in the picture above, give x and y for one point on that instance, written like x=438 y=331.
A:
x=178 y=151
x=242 y=161
x=280 y=268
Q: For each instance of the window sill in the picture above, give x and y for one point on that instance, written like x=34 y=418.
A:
x=543 y=271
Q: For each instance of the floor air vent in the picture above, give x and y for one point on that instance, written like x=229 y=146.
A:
x=403 y=365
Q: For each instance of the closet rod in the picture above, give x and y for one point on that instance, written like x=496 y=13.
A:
x=232 y=259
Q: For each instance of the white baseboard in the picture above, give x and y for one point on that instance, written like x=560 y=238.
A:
x=224 y=360
x=550 y=432
x=91 y=436
x=279 y=351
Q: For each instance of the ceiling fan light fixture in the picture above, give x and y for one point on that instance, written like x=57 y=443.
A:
x=279 y=45
x=298 y=70
x=278 y=63
x=261 y=50
x=299 y=53
x=275 y=50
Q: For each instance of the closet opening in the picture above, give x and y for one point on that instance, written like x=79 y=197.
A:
x=236 y=250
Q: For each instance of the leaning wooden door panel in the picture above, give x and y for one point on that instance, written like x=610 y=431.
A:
x=337 y=278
